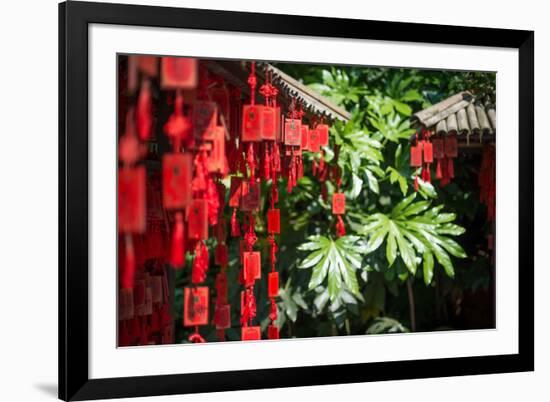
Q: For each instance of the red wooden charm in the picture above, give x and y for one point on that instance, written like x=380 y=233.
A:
x=305 y=138
x=205 y=118
x=272 y=284
x=428 y=152
x=131 y=200
x=235 y=192
x=222 y=316
x=179 y=73
x=272 y=332
x=177 y=171
x=274 y=221
x=314 y=141
x=252 y=123
x=416 y=154
x=216 y=160
x=322 y=129
x=251 y=333
x=438 y=148
x=197 y=220
x=250 y=196
x=269 y=124
x=293 y=132
x=451 y=146
x=251 y=266
x=338 y=204
x=195 y=306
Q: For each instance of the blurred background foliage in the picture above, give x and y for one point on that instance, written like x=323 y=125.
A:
x=410 y=261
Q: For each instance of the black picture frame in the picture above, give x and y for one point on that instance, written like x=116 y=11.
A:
x=74 y=19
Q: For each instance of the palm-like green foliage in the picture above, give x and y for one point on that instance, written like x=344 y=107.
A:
x=416 y=233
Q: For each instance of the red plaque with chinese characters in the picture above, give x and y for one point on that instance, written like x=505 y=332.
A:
x=250 y=195
x=274 y=221
x=438 y=148
x=177 y=170
x=179 y=73
x=252 y=123
x=314 y=141
x=235 y=192
x=222 y=317
x=322 y=129
x=293 y=132
x=272 y=284
x=416 y=154
x=269 y=124
x=272 y=332
x=252 y=266
x=338 y=203
x=251 y=334
x=131 y=200
x=197 y=220
x=305 y=138
x=195 y=306
x=428 y=152
x=205 y=118
x=451 y=146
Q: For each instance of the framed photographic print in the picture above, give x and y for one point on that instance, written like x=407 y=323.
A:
x=256 y=200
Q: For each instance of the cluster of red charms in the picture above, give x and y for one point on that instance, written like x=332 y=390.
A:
x=425 y=148
x=214 y=139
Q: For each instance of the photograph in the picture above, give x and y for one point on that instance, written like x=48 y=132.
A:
x=264 y=200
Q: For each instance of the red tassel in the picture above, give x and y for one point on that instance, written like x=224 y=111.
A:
x=438 y=173
x=127 y=280
x=249 y=307
x=235 y=229
x=273 y=310
x=340 y=228
x=267 y=162
x=220 y=333
x=213 y=200
x=314 y=168
x=415 y=183
x=428 y=173
x=177 y=253
x=451 y=168
x=251 y=161
x=195 y=337
x=200 y=263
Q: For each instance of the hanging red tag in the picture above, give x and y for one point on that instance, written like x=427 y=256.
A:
x=269 y=124
x=179 y=73
x=250 y=196
x=216 y=159
x=416 y=154
x=272 y=332
x=272 y=284
x=274 y=221
x=251 y=267
x=235 y=192
x=251 y=333
x=195 y=306
x=451 y=146
x=428 y=152
x=305 y=138
x=293 y=132
x=176 y=180
x=322 y=130
x=131 y=200
x=222 y=317
x=252 y=123
x=338 y=204
x=438 y=148
x=148 y=65
x=197 y=220
x=221 y=255
x=205 y=118
x=314 y=141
